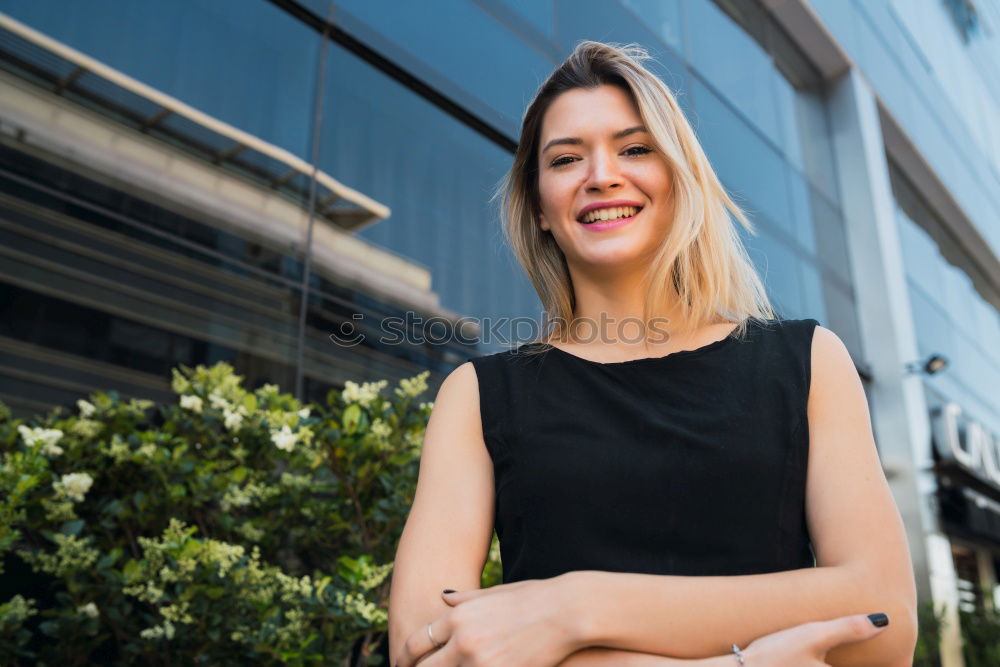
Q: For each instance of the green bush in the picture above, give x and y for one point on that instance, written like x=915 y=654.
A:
x=929 y=625
x=980 y=635
x=233 y=527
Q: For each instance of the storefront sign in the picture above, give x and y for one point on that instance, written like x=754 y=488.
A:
x=966 y=442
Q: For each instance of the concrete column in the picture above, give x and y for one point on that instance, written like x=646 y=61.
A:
x=987 y=577
x=899 y=408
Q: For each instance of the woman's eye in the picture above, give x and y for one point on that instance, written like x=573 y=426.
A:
x=640 y=148
x=566 y=160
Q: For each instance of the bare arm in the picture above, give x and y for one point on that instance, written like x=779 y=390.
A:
x=860 y=544
x=447 y=535
x=608 y=657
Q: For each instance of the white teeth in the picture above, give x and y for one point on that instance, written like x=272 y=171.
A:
x=610 y=213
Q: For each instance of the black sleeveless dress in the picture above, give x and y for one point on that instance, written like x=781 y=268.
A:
x=693 y=463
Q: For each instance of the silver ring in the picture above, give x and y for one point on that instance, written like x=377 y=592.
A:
x=433 y=641
x=739 y=654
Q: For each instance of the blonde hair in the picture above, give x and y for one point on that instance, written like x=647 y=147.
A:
x=701 y=265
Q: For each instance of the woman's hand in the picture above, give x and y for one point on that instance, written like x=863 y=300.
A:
x=521 y=624
x=806 y=645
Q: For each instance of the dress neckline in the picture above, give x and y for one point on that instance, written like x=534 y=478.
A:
x=714 y=345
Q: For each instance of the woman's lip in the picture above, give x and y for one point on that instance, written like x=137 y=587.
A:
x=609 y=224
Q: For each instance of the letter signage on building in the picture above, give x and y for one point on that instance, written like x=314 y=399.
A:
x=966 y=442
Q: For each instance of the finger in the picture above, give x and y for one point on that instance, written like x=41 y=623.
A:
x=446 y=656
x=849 y=629
x=419 y=643
x=457 y=597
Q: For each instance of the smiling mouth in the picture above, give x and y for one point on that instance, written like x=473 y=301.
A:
x=623 y=212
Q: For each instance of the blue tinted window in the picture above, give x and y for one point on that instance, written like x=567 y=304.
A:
x=459 y=46
x=843 y=315
x=716 y=43
x=748 y=165
x=663 y=18
x=435 y=174
x=831 y=238
x=603 y=21
x=812 y=153
x=254 y=68
x=814 y=304
x=921 y=258
x=801 y=199
x=778 y=267
x=540 y=13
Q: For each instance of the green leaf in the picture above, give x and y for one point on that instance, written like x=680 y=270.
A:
x=132 y=570
x=214 y=592
x=50 y=628
x=71 y=527
x=352 y=418
x=322 y=586
x=191 y=549
x=113 y=508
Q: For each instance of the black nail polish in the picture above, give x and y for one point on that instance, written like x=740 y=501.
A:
x=878 y=620
x=447 y=590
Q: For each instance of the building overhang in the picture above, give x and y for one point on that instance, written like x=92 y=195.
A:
x=179 y=157
x=76 y=76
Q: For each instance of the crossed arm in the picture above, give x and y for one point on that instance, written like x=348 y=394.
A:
x=858 y=537
x=857 y=534
x=696 y=617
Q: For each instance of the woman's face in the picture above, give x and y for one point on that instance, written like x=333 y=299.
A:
x=598 y=167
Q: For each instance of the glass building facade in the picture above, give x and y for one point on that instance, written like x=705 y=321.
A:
x=138 y=235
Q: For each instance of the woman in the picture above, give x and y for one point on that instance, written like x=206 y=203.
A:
x=663 y=498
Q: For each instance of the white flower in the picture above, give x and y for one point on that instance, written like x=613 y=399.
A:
x=414 y=386
x=284 y=438
x=217 y=400
x=47 y=437
x=86 y=428
x=380 y=429
x=428 y=405
x=49 y=449
x=233 y=418
x=304 y=413
x=86 y=409
x=75 y=484
x=193 y=403
x=363 y=394
x=89 y=609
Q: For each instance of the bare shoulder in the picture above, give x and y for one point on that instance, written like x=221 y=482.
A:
x=454 y=425
x=826 y=342
x=458 y=394
x=832 y=368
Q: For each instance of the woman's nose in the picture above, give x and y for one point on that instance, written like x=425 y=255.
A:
x=604 y=171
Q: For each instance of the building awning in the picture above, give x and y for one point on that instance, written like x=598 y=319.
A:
x=34 y=56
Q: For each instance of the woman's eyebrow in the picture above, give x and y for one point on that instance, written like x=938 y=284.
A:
x=576 y=141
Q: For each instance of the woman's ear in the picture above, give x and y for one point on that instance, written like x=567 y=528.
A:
x=543 y=223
